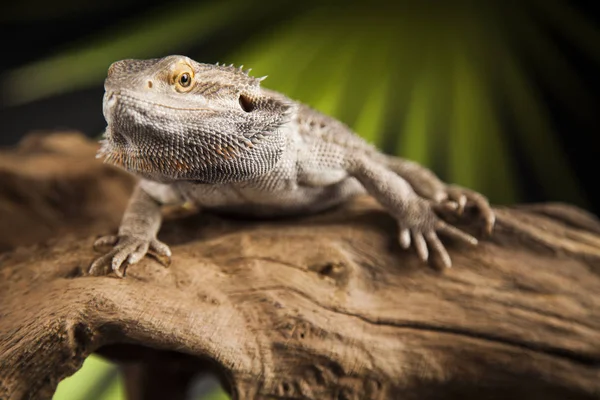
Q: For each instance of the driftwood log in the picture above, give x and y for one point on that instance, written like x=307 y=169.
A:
x=322 y=307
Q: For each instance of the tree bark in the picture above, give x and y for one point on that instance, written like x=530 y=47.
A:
x=321 y=307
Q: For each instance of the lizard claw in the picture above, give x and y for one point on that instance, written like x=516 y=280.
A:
x=465 y=197
x=127 y=250
x=404 y=238
x=160 y=251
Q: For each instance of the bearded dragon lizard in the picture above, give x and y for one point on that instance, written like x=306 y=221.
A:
x=211 y=135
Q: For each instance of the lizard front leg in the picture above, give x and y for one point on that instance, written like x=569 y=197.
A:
x=417 y=222
x=136 y=236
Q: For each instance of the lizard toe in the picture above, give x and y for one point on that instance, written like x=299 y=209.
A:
x=462 y=203
x=420 y=245
x=104 y=241
x=119 y=260
x=98 y=266
x=446 y=207
x=161 y=252
x=138 y=254
x=455 y=233
x=438 y=250
x=490 y=220
x=404 y=238
x=458 y=196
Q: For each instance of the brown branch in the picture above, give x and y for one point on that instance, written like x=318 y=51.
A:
x=323 y=307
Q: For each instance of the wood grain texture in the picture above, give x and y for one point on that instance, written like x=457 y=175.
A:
x=322 y=307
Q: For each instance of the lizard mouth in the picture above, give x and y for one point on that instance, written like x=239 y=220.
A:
x=114 y=98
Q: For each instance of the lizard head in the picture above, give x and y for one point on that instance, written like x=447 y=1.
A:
x=176 y=119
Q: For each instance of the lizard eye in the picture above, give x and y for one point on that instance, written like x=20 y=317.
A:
x=246 y=103
x=185 y=79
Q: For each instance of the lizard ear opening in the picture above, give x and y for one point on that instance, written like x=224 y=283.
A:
x=246 y=103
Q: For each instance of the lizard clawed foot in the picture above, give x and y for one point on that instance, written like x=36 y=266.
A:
x=424 y=235
x=127 y=250
x=459 y=198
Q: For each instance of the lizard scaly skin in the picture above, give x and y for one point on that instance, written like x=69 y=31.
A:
x=211 y=135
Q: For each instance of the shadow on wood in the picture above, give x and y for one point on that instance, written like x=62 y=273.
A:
x=322 y=307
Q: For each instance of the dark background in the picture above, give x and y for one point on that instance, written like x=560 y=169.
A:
x=32 y=31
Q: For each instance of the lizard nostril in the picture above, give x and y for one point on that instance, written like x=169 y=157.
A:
x=149 y=84
x=110 y=99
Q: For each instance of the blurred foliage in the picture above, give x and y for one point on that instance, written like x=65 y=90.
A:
x=96 y=376
x=430 y=81
x=98 y=379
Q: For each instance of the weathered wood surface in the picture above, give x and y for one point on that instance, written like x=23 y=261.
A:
x=323 y=307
